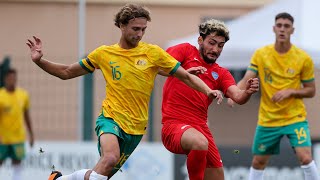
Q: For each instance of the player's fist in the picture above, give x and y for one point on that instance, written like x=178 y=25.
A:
x=252 y=85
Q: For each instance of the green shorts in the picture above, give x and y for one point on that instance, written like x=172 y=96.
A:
x=127 y=142
x=267 y=139
x=13 y=151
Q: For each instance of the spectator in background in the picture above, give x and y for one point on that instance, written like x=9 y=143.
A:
x=129 y=68
x=14 y=115
x=287 y=76
x=185 y=111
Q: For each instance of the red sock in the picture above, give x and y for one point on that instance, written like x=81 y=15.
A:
x=196 y=164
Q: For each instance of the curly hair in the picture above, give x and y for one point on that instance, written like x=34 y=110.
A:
x=213 y=26
x=131 y=11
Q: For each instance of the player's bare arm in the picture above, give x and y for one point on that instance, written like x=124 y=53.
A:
x=248 y=75
x=192 y=70
x=196 y=83
x=242 y=85
x=308 y=91
x=29 y=127
x=59 y=70
x=242 y=96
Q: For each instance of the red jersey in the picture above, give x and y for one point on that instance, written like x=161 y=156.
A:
x=182 y=103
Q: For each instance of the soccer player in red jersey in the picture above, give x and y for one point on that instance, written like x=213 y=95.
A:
x=184 y=110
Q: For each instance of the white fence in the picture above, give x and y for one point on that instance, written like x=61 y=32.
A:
x=149 y=161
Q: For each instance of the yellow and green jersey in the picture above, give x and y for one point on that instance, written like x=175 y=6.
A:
x=278 y=72
x=12 y=108
x=129 y=75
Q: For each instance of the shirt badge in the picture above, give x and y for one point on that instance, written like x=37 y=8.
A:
x=215 y=75
x=141 y=62
x=290 y=71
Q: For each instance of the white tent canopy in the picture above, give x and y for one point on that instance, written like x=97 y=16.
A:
x=254 y=30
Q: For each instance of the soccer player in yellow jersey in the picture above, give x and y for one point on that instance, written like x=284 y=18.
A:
x=129 y=68
x=286 y=76
x=14 y=112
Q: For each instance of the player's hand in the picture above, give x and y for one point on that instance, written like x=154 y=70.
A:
x=35 y=49
x=252 y=85
x=197 y=70
x=230 y=102
x=217 y=95
x=281 y=95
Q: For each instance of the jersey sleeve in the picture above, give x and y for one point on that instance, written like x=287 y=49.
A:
x=163 y=60
x=226 y=81
x=91 y=62
x=307 y=73
x=254 y=62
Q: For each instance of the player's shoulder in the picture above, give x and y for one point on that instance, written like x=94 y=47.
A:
x=265 y=49
x=300 y=51
x=148 y=46
x=107 y=47
x=186 y=45
x=151 y=50
x=2 y=95
x=183 y=46
x=22 y=91
x=2 y=90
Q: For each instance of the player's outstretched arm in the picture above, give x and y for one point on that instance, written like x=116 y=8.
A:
x=59 y=70
x=242 y=96
x=196 y=83
x=192 y=70
x=241 y=93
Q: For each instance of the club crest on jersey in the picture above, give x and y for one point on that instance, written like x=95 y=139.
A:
x=290 y=71
x=115 y=128
x=141 y=62
x=215 y=75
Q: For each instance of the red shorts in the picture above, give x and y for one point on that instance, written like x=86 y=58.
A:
x=171 y=136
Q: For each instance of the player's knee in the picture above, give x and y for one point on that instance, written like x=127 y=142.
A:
x=259 y=163
x=305 y=160
x=109 y=160
x=200 y=143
